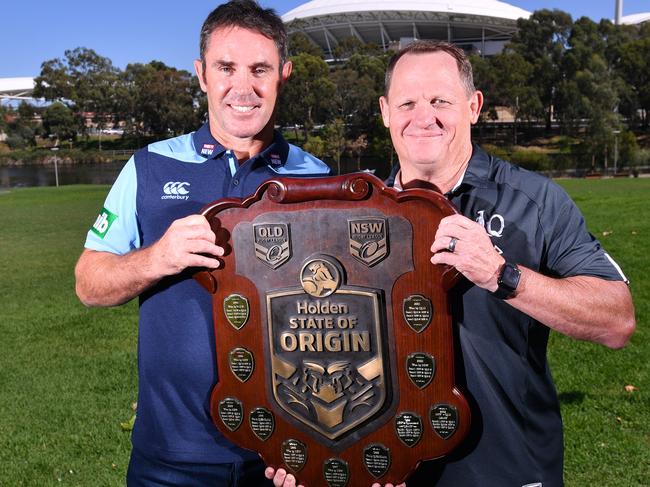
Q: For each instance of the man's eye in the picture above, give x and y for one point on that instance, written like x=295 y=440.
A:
x=259 y=71
x=436 y=102
x=408 y=104
x=226 y=69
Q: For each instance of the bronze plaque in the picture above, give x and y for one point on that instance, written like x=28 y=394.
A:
x=444 y=420
x=418 y=312
x=336 y=472
x=376 y=458
x=408 y=428
x=294 y=454
x=262 y=423
x=241 y=363
x=231 y=413
x=420 y=368
x=236 y=309
x=343 y=314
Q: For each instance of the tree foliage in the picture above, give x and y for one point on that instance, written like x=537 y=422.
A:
x=591 y=80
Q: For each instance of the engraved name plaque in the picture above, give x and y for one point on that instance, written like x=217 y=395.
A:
x=333 y=333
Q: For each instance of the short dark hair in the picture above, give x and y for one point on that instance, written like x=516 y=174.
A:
x=246 y=14
x=424 y=46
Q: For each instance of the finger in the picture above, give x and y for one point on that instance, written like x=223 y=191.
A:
x=203 y=247
x=458 y=220
x=290 y=481
x=444 y=243
x=278 y=479
x=269 y=472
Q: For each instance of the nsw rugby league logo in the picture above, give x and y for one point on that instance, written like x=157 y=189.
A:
x=368 y=240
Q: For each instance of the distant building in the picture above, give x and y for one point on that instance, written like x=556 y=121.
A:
x=16 y=88
x=480 y=26
x=635 y=19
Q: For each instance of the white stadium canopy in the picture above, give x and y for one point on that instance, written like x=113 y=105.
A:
x=16 y=88
x=480 y=25
x=636 y=18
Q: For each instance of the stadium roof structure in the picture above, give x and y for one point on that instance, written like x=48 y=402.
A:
x=483 y=26
x=636 y=18
x=16 y=88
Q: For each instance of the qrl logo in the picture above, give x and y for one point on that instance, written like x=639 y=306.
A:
x=176 y=188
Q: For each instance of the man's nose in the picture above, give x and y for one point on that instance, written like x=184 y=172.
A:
x=425 y=114
x=242 y=82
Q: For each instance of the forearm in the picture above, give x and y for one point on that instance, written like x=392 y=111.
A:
x=105 y=279
x=581 y=307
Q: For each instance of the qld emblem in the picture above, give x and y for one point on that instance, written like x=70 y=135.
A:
x=272 y=243
x=368 y=240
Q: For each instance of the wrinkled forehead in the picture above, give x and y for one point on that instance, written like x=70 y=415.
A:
x=240 y=43
x=428 y=70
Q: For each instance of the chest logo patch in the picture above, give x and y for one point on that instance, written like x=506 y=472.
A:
x=494 y=225
x=175 y=190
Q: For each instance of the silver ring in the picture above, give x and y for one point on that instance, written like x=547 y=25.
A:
x=452 y=244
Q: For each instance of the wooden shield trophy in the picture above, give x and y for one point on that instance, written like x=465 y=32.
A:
x=334 y=338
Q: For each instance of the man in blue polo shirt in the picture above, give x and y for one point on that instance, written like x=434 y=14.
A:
x=529 y=263
x=148 y=237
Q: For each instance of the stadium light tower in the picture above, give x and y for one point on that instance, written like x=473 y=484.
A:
x=619 y=12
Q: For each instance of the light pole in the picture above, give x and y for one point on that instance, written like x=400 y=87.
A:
x=56 y=167
x=616 y=132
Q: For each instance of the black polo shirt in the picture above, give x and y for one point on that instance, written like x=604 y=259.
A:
x=516 y=435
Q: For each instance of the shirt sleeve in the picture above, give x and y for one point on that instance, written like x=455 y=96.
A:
x=116 y=228
x=572 y=250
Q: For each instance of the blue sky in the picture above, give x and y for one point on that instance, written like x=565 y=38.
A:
x=33 y=31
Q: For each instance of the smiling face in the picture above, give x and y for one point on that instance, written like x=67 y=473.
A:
x=242 y=79
x=429 y=114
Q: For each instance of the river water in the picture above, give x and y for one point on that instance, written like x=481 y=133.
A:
x=44 y=175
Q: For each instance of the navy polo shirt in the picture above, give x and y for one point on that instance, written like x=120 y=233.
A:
x=163 y=182
x=516 y=434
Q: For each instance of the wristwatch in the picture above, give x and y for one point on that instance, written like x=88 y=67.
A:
x=508 y=281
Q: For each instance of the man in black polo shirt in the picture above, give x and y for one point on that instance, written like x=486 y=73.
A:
x=530 y=266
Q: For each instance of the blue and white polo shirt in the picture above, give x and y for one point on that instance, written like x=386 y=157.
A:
x=163 y=182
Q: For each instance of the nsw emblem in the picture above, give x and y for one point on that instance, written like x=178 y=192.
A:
x=368 y=240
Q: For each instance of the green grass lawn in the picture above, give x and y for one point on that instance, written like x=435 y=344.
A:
x=68 y=374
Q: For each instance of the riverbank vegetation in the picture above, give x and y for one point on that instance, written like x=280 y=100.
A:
x=68 y=373
x=564 y=95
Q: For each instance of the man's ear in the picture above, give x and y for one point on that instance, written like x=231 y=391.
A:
x=385 y=111
x=286 y=71
x=198 y=68
x=475 y=105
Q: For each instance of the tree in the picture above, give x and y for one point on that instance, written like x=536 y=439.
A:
x=85 y=80
x=542 y=41
x=306 y=99
x=299 y=43
x=634 y=67
x=356 y=148
x=161 y=100
x=60 y=122
x=335 y=141
x=511 y=74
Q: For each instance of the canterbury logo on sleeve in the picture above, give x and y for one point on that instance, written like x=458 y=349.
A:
x=103 y=223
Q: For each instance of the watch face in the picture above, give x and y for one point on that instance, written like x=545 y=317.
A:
x=510 y=276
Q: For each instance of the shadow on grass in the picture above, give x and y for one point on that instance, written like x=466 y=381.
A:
x=571 y=397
